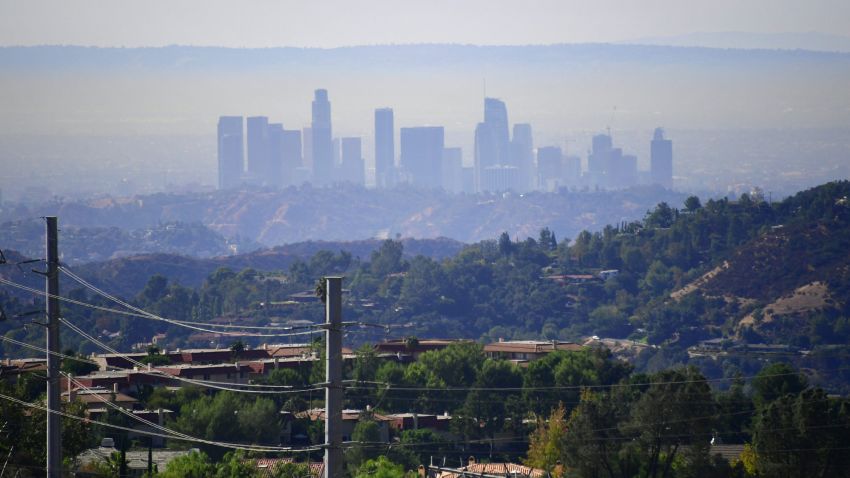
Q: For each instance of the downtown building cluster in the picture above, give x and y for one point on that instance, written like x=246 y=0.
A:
x=254 y=152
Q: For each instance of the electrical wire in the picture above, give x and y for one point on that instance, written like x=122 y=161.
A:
x=208 y=384
x=40 y=349
x=235 y=446
x=147 y=315
x=95 y=289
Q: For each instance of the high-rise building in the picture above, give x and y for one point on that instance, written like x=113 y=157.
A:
x=422 y=155
x=453 y=170
x=492 y=139
x=622 y=170
x=549 y=167
x=230 y=152
x=384 y=148
x=352 y=168
x=322 y=144
x=272 y=173
x=259 y=155
x=307 y=145
x=496 y=115
x=522 y=156
x=500 y=178
x=291 y=155
x=661 y=160
x=571 y=171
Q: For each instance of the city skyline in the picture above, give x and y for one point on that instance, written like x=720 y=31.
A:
x=500 y=161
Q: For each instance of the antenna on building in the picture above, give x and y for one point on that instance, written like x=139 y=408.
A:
x=484 y=86
x=611 y=121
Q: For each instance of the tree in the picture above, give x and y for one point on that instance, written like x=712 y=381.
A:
x=674 y=415
x=548 y=441
x=692 y=204
x=382 y=468
x=802 y=435
x=776 y=380
x=194 y=465
x=367 y=434
x=593 y=445
x=387 y=259
x=235 y=465
x=506 y=247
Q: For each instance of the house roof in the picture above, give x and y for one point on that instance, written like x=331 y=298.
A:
x=531 y=346
x=493 y=469
x=266 y=466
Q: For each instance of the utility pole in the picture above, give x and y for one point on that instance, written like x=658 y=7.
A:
x=54 y=423
x=333 y=377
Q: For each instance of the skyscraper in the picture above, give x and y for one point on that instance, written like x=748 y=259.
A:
x=258 y=149
x=422 y=155
x=384 y=148
x=599 y=160
x=496 y=115
x=549 y=167
x=492 y=138
x=230 y=155
x=453 y=170
x=661 y=160
x=352 y=168
x=291 y=151
x=322 y=144
x=522 y=156
x=272 y=173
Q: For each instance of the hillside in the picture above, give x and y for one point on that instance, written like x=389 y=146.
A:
x=128 y=275
x=340 y=213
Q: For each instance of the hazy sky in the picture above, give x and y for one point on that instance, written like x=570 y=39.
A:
x=349 y=22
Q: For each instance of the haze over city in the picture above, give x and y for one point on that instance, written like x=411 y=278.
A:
x=424 y=238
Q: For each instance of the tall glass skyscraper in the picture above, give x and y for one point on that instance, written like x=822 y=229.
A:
x=322 y=144
x=422 y=155
x=230 y=152
x=384 y=148
x=661 y=160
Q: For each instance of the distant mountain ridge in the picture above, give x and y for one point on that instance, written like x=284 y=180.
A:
x=292 y=215
x=811 y=41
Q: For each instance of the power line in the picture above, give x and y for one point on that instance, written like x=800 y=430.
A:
x=203 y=383
x=236 y=446
x=143 y=312
x=147 y=315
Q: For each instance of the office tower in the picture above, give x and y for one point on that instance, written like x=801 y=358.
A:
x=291 y=155
x=230 y=156
x=322 y=145
x=258 y=167
x=571 y=171
x=307 y=145
x=599 y=160
x=468 y=173
x=352 y=168
x=492 y=138
x=500 y=178
x=661 y=160
x=549 y=164
x=384 y=148
x=496 y=115
x=522 y=156
x=422 y=155
x=621 y=169
x=272 y=173
x=453 y=170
